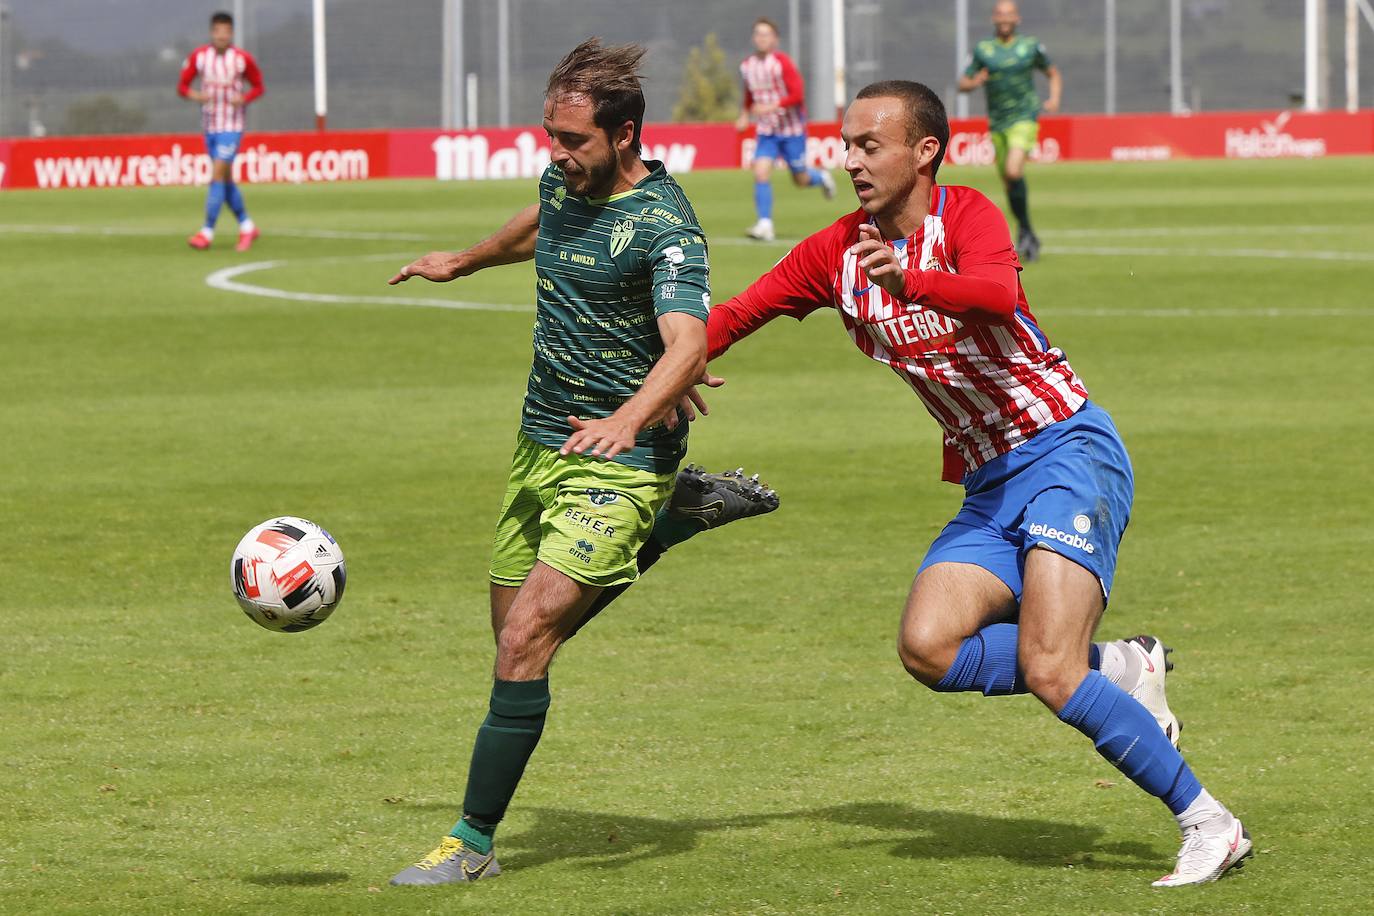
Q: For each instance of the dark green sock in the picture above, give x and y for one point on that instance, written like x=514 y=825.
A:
x=504 y=744
x=671 y=530
x=1018 y=197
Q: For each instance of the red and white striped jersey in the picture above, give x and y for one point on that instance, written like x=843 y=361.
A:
x=222 y=76
x=962 y=334
x=774 y=80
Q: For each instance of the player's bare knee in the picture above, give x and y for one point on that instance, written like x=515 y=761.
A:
x=925 y=653
x=524 y=648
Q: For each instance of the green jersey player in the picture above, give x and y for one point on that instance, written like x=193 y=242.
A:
x=1005 y=66
x=622 y=287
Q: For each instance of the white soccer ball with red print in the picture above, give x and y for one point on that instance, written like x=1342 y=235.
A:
x=288 y=574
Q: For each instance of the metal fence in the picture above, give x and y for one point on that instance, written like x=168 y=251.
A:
x=93 y=66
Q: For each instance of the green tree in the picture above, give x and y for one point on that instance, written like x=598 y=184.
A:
x=710 y=89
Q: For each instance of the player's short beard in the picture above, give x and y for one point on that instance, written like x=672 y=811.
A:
x=596 y=181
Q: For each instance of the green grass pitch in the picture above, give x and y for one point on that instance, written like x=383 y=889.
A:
x=736 y=734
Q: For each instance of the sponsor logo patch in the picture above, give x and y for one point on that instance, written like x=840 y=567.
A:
x=1068 y=538
x=1082 y=524
x=599 y=497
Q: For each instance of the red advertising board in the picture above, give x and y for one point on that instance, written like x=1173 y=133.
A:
x=180 y=159
x=522 y=152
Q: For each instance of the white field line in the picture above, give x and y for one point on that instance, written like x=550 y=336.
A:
x=36 y=229
x=1112 y=232
x=226 y=279
x=1282 y=254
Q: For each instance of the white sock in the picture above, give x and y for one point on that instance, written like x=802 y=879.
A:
x=208 y=232
x=1203 y=809
x=1113 y=662
x=246 y=225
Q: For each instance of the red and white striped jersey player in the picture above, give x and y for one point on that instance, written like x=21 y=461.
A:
x=229 y=81
x=926 y=282
x=775 y=98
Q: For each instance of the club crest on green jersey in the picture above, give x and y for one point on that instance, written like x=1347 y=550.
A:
x=559 y=194
x=621 y=234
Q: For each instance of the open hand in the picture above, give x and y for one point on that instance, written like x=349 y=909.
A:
x=692 y=401
x=878 y=261
x=437 y=266
x=606 y=437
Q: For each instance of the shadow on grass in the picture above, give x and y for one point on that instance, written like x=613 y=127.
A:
x=297 y=878
x=615 y=841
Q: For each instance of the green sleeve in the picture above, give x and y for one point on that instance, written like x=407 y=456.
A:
x=975 y=63
x=680 y=271
x=1042 y=57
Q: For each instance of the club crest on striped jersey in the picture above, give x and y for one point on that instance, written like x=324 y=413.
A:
x=621 y=235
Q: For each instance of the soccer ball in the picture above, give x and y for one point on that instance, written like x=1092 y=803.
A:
x=288 y=574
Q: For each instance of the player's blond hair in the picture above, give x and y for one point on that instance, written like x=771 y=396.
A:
x=609 y=77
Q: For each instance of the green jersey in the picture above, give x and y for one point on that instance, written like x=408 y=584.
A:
x=1011 y=80
x=605 y=270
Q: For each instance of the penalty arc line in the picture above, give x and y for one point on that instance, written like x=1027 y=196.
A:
x=226 y=280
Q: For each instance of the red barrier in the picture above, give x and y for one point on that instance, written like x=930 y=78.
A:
x=147 y=161
x=180 y=159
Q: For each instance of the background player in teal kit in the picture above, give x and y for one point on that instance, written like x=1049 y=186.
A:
x=1005 y=66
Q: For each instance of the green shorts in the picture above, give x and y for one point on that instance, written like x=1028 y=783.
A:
x=1022 y=135
x=585 y=517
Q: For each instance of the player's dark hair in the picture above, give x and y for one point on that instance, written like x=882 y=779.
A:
x=764 y=20
x=925 y=113
x=609 y=77
x=221 y=18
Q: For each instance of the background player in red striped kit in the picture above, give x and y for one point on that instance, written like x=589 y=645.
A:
x=775 y=98
x=229 y=81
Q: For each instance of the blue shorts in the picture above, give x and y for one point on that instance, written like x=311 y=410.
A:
x=1068 y=489
x=791 y=149
x=223 y=147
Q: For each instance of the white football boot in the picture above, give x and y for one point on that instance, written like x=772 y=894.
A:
x=1149 y=686
x=1209 y=851
x=762 y=230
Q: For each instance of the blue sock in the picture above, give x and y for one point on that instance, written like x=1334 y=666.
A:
x=1131 y=740
x=213 y=201
x=815 y=175
x=987 y=662
x=763 y=199
x=235 y=201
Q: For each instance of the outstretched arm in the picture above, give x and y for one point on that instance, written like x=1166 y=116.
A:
x=795 y=286
x=512 y=243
